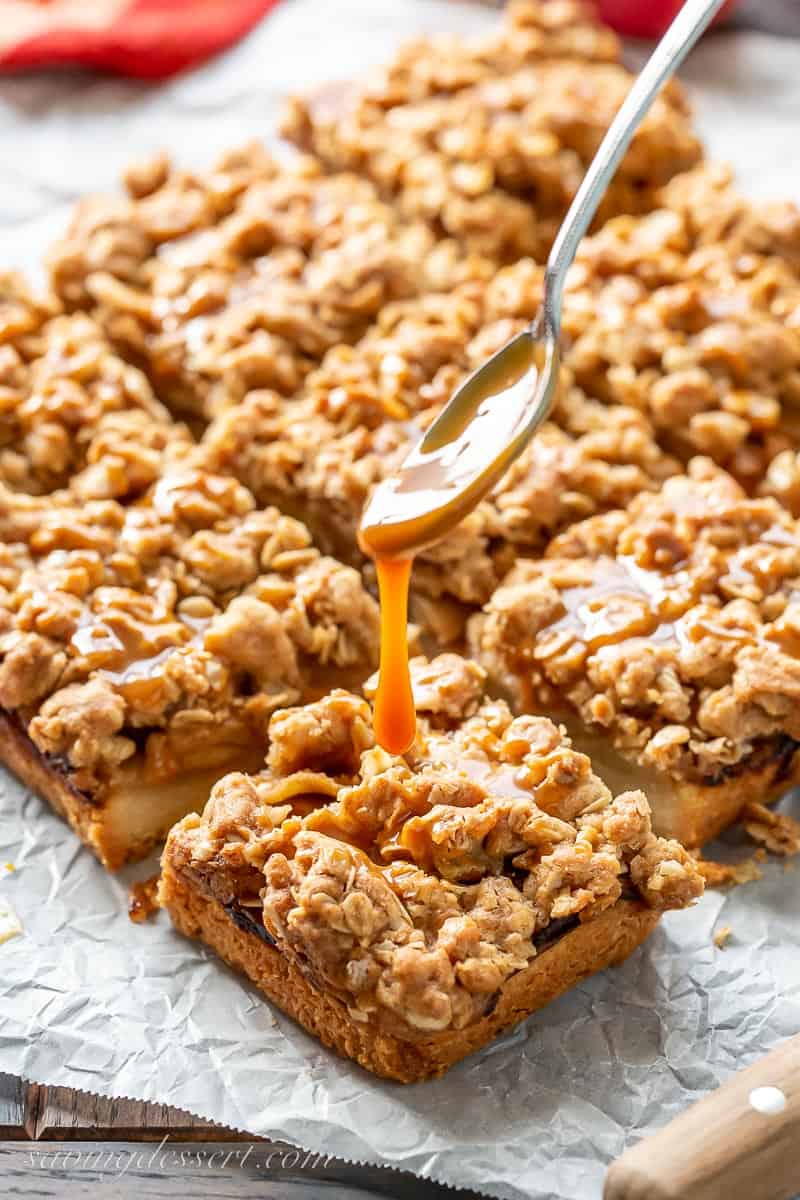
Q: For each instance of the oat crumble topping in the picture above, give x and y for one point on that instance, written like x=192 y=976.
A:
x=494 y=159
x=239 y=278
x=691 y=314
x=441 y=64
x=70 y=408
x=359 y=412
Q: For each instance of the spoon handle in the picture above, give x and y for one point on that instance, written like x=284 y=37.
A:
x=670 y=52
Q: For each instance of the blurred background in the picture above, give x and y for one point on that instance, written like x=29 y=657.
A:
x=87 y=85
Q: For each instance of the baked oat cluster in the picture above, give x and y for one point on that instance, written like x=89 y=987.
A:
x=290 y=450
x=363 y=407
x=677 y=341
x=441 y=64
x=691 y=314
x=671 y=625
x=412 y=888
x=71 y=410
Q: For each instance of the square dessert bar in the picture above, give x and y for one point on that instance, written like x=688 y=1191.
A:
x=679 y=334
x=692 y=315
x=144 y=647
x=406 y=910
x=491 y=149
x=666 y=638
x=70 y=408
x=241 y=277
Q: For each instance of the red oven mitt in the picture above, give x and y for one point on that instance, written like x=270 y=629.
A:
x=147 y=38
x=646 y=18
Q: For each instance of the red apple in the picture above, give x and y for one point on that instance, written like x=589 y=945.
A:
x=646 y=18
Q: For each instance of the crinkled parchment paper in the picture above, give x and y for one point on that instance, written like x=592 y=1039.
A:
x=89 y=1000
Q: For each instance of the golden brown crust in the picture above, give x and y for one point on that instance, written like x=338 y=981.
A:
x=604 y=941
x=19 y=754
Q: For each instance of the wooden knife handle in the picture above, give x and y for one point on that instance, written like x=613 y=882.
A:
x=742 y=1141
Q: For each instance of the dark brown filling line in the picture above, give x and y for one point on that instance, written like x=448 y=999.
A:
x=250 y=920
x=57 y=763
x=779 y=749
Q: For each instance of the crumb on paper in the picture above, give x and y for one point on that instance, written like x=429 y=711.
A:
x=10 y=866
x=142 y=900
x=718 y=874
x=10 y=924
x=721 y=936
x=778 y=832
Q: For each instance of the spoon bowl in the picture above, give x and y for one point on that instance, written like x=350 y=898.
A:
x=486 y=425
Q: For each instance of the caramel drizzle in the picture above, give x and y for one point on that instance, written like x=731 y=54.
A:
x=395 y=718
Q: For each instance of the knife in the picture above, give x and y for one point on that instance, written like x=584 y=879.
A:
x=741 y=1142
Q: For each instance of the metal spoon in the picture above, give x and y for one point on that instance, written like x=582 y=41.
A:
x=494 y=414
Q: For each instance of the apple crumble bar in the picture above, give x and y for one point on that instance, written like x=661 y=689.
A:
x=144 y=647
x=692 y=315
x=495 y=160
x=665 y=637
x=319 y=454
x=70 y=408
x=238 y=278
x=405 y=910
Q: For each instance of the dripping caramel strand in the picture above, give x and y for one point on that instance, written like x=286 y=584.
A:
x=395 y=719
x=463 y=454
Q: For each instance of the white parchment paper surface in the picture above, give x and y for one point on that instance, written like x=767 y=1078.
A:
x=88 y=1000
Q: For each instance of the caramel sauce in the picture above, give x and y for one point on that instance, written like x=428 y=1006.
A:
x=394 y=715
x=622 y=601
x=142 y=899
x=129 y=646
x=462 y=456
